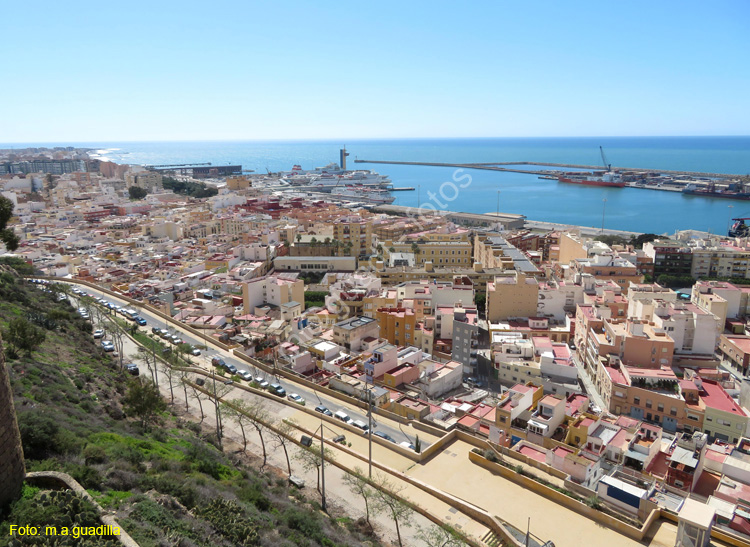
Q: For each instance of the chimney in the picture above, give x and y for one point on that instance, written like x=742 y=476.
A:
x=477 y=266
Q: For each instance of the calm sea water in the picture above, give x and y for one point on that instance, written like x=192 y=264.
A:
x=625 y=209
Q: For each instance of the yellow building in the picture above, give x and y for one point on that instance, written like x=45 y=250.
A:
x=238 y=183
x=355 y=234
x=443 y=249
x=397 y=325
x=512 y=296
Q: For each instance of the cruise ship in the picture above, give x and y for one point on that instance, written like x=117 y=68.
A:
x=325 y=179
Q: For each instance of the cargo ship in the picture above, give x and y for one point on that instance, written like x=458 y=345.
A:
x=608 y=179
x=732 y=191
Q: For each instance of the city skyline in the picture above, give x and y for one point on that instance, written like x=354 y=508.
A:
x=300 y=72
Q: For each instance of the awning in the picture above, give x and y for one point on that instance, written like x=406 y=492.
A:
x=636 y=455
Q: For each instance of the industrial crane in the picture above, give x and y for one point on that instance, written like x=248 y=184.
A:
x=604 y=159
x=739 y=228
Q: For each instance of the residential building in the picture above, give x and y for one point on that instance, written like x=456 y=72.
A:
x=669 y=257
x=276 y=289
x=512 y=297
x=356 y=333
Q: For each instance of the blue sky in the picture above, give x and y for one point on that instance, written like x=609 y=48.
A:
x=163 y=70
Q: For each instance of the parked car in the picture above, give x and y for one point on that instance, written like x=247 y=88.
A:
x=195 y=351
x=108 y=346
x=263 y=383
x=384 y=436
x=156 y=330
x=99 y=333
x=296 y=399
x=276 y=389
x=343 y=416
x=361 y=425
x=177 y=341
x=231 y=369
x=408 y=445
x=132 y=368
x=141 y=321
x=245 y=375
x=323 y=410
x=218 y=362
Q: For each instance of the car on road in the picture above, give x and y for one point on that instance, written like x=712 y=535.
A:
x=218 y=362
x=141 y=321
x=323 y=410
x=361 y=425
x=132 y=368
x=108 y=346
x=195 y=351
x=276 y=389
x=176 y=340
x=231 y=369
x=343 y=416
x=296 y=399
x=245 y=375
x=384 y=436
x=99 y=333
x=408 y=445
x=155 y=330
x=164 y=333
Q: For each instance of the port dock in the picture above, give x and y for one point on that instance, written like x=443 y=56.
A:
x=498 y=166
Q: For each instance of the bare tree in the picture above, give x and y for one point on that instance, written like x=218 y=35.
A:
x=386 y=500
x=359 y=486
x=280 y=435
x=217 y=390
x=238 y=411
x=197 y=394
x=182 y=375
x=440 y=536
x=309 y=457
x=258 y=413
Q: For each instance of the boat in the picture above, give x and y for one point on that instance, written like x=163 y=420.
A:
x=608 y=179
x=732 y=191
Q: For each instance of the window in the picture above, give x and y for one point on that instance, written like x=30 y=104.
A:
x=648 y=403
x=660 y=407
x=673 y=411
x=636 y=400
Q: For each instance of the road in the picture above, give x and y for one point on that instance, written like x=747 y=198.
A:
x=397 y=431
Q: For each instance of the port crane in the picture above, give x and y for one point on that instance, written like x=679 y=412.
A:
x=739 y=228
x=604 y=159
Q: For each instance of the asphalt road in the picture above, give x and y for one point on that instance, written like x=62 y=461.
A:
x=312 y=397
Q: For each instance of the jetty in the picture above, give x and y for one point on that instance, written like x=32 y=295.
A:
x=499 y=166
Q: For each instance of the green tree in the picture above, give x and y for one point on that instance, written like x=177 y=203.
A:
x=21 y=335
x=144 y=400
x=7 y=235
x=137 y=193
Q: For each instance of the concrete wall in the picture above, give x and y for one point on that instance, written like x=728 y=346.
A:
x=12 y=469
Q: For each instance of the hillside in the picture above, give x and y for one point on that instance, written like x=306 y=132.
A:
x=166 y=485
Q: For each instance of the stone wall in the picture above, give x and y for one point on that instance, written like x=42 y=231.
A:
x=12 y=469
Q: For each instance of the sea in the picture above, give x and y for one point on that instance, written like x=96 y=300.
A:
x=636 y=210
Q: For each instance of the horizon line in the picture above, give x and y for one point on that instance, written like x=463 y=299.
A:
x=365 y=139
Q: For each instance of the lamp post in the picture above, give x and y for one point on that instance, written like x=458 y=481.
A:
x=322 y=466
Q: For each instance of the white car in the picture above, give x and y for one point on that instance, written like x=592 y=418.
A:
x=245 y=375
x=296 y=399
x=99 y=333
x=195 y=351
